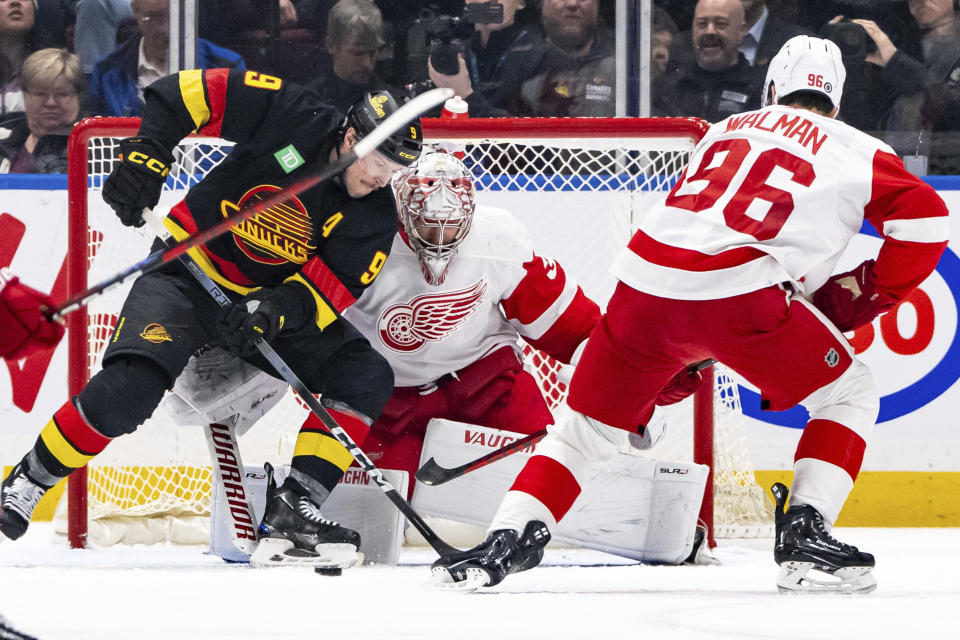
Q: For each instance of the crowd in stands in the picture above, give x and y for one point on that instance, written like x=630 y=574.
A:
x=708 y=58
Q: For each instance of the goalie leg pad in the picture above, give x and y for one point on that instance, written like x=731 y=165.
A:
x=630 y=506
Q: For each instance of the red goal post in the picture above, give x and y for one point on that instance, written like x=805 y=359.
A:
x=579 y=185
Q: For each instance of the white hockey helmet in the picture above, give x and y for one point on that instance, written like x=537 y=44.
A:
x=805 y=63
x=435 y=202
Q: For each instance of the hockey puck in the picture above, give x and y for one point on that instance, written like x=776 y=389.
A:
x=328 y=571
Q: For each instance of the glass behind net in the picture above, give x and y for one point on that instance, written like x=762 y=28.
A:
x=580 y=197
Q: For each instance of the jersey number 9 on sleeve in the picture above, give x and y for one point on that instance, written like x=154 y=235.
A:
x=753 y=187
x=375 y=265
x=261 y=81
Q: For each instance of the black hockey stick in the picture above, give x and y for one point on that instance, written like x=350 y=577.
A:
x=371 y=141
x=433 y=474
x=441 y=547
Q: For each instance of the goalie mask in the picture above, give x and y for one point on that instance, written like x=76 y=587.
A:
x=435 y=202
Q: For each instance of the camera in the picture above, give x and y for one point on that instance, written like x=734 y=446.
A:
x=851 y=38
x=441 y=37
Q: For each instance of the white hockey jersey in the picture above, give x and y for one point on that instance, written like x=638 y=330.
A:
x=495 y=288
x=775 y=195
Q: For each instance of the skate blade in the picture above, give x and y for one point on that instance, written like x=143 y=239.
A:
x=441 y=578
x=802 y=577
x=273 y=552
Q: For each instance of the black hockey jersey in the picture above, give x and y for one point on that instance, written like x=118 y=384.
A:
x=323 y=239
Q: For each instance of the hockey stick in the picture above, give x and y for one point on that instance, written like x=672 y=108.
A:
x=370 y=142
x=441 y=547
x=433 y=474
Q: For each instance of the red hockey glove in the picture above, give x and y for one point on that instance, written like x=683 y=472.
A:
x=23 y=327
x=684 y=384
x=850 y=299
x=261 y=314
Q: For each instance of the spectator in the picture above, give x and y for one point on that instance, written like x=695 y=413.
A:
x=354 y=38
x=36 y=142
x=579 y=68
x=765 y=34
x=939 y=23
x=55 y=19
x=96 y=28
x=502 y=55
x=120 y=77
x=926 y=91
x=18 y=39
x=718 y=82
x=663 y=31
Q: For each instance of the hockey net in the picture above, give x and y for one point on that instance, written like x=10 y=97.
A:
x=579 y=186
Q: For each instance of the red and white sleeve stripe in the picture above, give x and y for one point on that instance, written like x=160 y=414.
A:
x=550 y=310
x=913 y=221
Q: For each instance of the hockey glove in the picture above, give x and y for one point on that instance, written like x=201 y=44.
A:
x=680 y=386
x=23 y=327
x=136 y=181
x=261 y=314
x=851 y=300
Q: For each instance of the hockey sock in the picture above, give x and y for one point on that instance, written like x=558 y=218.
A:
x=319 y=455
x=550 y=483
x=68 y=442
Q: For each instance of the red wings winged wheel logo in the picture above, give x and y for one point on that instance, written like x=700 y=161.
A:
x=428 y=317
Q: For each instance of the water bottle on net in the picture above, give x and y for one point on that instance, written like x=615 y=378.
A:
x=455 y=108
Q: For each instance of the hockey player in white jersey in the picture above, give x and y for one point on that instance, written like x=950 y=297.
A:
x=723 y=268
x=463 y=283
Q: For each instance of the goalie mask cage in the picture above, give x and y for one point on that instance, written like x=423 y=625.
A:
x=579 y=185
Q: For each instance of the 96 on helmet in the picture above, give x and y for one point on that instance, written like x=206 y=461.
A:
x=805 y=63
x=403 y=147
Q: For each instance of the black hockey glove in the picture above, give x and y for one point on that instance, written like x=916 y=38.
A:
x=137 y=179
x=261 y=314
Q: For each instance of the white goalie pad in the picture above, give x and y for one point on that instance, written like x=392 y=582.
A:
x=216 y=385
x=356 y=503
x=633 y=507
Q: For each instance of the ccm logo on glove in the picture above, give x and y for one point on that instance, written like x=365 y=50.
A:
x=153 y=164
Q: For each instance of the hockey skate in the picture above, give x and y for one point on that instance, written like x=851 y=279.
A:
x=19 y=496
x=487 y=564
x=803 y=546
x=294 y=532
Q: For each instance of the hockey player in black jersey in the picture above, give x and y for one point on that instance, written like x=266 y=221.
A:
x=303 y=262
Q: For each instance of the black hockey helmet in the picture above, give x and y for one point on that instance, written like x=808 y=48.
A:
x=373 y=108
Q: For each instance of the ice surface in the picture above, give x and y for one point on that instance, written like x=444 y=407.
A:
x=169 y=592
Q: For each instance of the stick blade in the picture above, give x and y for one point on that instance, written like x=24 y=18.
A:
x=431 y=473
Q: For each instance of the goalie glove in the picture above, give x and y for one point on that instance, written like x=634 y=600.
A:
x=23 y=327
x=136 y=181
x=261 y=314
x=850 y=300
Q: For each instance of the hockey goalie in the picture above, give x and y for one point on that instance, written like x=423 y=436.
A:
x=461 y=287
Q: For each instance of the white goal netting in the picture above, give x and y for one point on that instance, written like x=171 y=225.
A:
x=580 y=187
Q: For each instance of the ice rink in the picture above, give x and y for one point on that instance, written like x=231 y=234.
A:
x=168 y=592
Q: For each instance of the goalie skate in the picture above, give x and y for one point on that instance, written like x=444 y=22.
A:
x=810 y=559
x=293 y=532
x=487 y=564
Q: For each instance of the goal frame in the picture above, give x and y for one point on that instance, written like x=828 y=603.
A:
x=520 y=128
